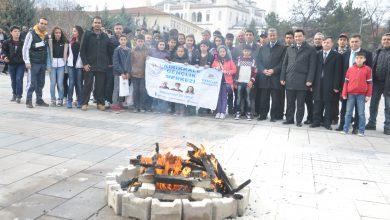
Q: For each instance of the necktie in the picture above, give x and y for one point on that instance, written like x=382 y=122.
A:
x=298 y=46
x=272 y=45
x=353 y=55
x=324 y=56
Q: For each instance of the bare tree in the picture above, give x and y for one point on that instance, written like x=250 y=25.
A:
x=304 y=11
x=375 y=11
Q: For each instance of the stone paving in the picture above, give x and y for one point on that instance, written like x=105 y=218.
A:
x=53 y=161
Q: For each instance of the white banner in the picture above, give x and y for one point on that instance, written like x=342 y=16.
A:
x=184 y=84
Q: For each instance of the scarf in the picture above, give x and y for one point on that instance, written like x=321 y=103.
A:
x=39 y=32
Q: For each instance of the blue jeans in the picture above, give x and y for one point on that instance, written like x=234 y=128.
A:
x=360 y=102
x=57 y=79
x=225 y=90
x=377 y=93
x=75 y=83
x=37 y=82
x=139 y=93
x=16 y=71
x=243 y=92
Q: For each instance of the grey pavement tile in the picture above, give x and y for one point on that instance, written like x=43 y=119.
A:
x=28 y=144
x=71 y=186
x=6 y=152
x=65 y=169
x=52 y=147
x=20 y=172
x=373 y=209
x=106 y=213
x=74 y=151
x=99 y=154
x=48 y=217
x=81 y=206
x=31 y=207
x=12 y=139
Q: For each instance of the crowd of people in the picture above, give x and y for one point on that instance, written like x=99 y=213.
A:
x=273 y=78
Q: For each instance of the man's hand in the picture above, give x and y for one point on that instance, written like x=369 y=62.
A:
x=6 y=60
x=124 y=76
x=282 y=82
x=367 y=98
x=28 y=66
x=270 y=71
x=345 y=97
x=250 y=84
x=308 y=84
x=87 y=68
x=336 y=90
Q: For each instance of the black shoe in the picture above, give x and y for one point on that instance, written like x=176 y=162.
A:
x=335 y=121
x=314 y=125
x=18 y=100
x=288 y=122
x=370 y=127
x=261 y=118
x=308 y=122
x=386 y=132
x=29 y=105
x=328 y=127
x=340 y=128
x=354 y=131
x=272 y=120
x=299 y=124
x=13 y=98
x=42 y=104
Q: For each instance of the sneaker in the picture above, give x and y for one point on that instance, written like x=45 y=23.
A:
x=18 y=100
x=238 y=114
x=101 y=107
x=29 y=104
x=13 y=99
x=143 y=111
x=222 y=116
x=69 y=104
x=107 y=104
x=116 y=108
x=53 y=103
x=248 y=116
x=370 y=127
x=84 y=107
x=79 y=104
x=218 y=116
x=343 y=132
x=42 y=104
x=60 y=103
x=361 y=134
x=135 y=110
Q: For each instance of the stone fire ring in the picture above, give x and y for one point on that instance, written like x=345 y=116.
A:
x=141 y=204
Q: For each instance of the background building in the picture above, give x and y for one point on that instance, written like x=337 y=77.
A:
x=223 y=15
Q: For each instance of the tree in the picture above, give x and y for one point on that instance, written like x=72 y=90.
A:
x=18 y=12
x=253 y=27
x=273 y=21
x=304 y=12
x=375 y=11
x=126 y=20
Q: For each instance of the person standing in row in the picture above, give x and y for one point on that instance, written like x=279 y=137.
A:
x=355 y=43
x=75 y=66
x=58 y=55
x=298 y=71
x=37 y=60
x=326 y=84
x=95 y=54
x=381 y=76
x=12 y=50
x=269 y=62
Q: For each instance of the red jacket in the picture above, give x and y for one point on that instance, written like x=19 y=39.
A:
x=229 y=69
x=358 y=81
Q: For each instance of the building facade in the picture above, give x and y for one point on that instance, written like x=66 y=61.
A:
x=223 y=15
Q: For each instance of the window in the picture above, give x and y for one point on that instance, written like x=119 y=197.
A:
x=199 y=17
x=193 y=17
x=207 y=15
x=220 y=15
x=177 y=15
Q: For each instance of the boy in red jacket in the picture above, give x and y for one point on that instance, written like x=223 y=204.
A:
x=357 y=89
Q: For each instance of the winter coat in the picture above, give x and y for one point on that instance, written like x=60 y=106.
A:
x=270 y=58
x=96 y=51
x=138 y=57
x=358 y=81
x=121 y=61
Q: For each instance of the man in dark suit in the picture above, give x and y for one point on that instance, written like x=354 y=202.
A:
x=326 y=84
x=269 y=65
x=355 y=43
x=298 y=71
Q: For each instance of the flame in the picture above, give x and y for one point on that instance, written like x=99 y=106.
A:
x=146 y=160
x=200 y=152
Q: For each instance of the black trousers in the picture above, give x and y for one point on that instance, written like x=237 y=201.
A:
x=266 y=94
x=257 y=100
x=109 y=85
x=98 y=85
x=323 y=112
x=297 y=96
x=282 y=101
x=342 y=115
x=336 y=107
x=309 y=105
